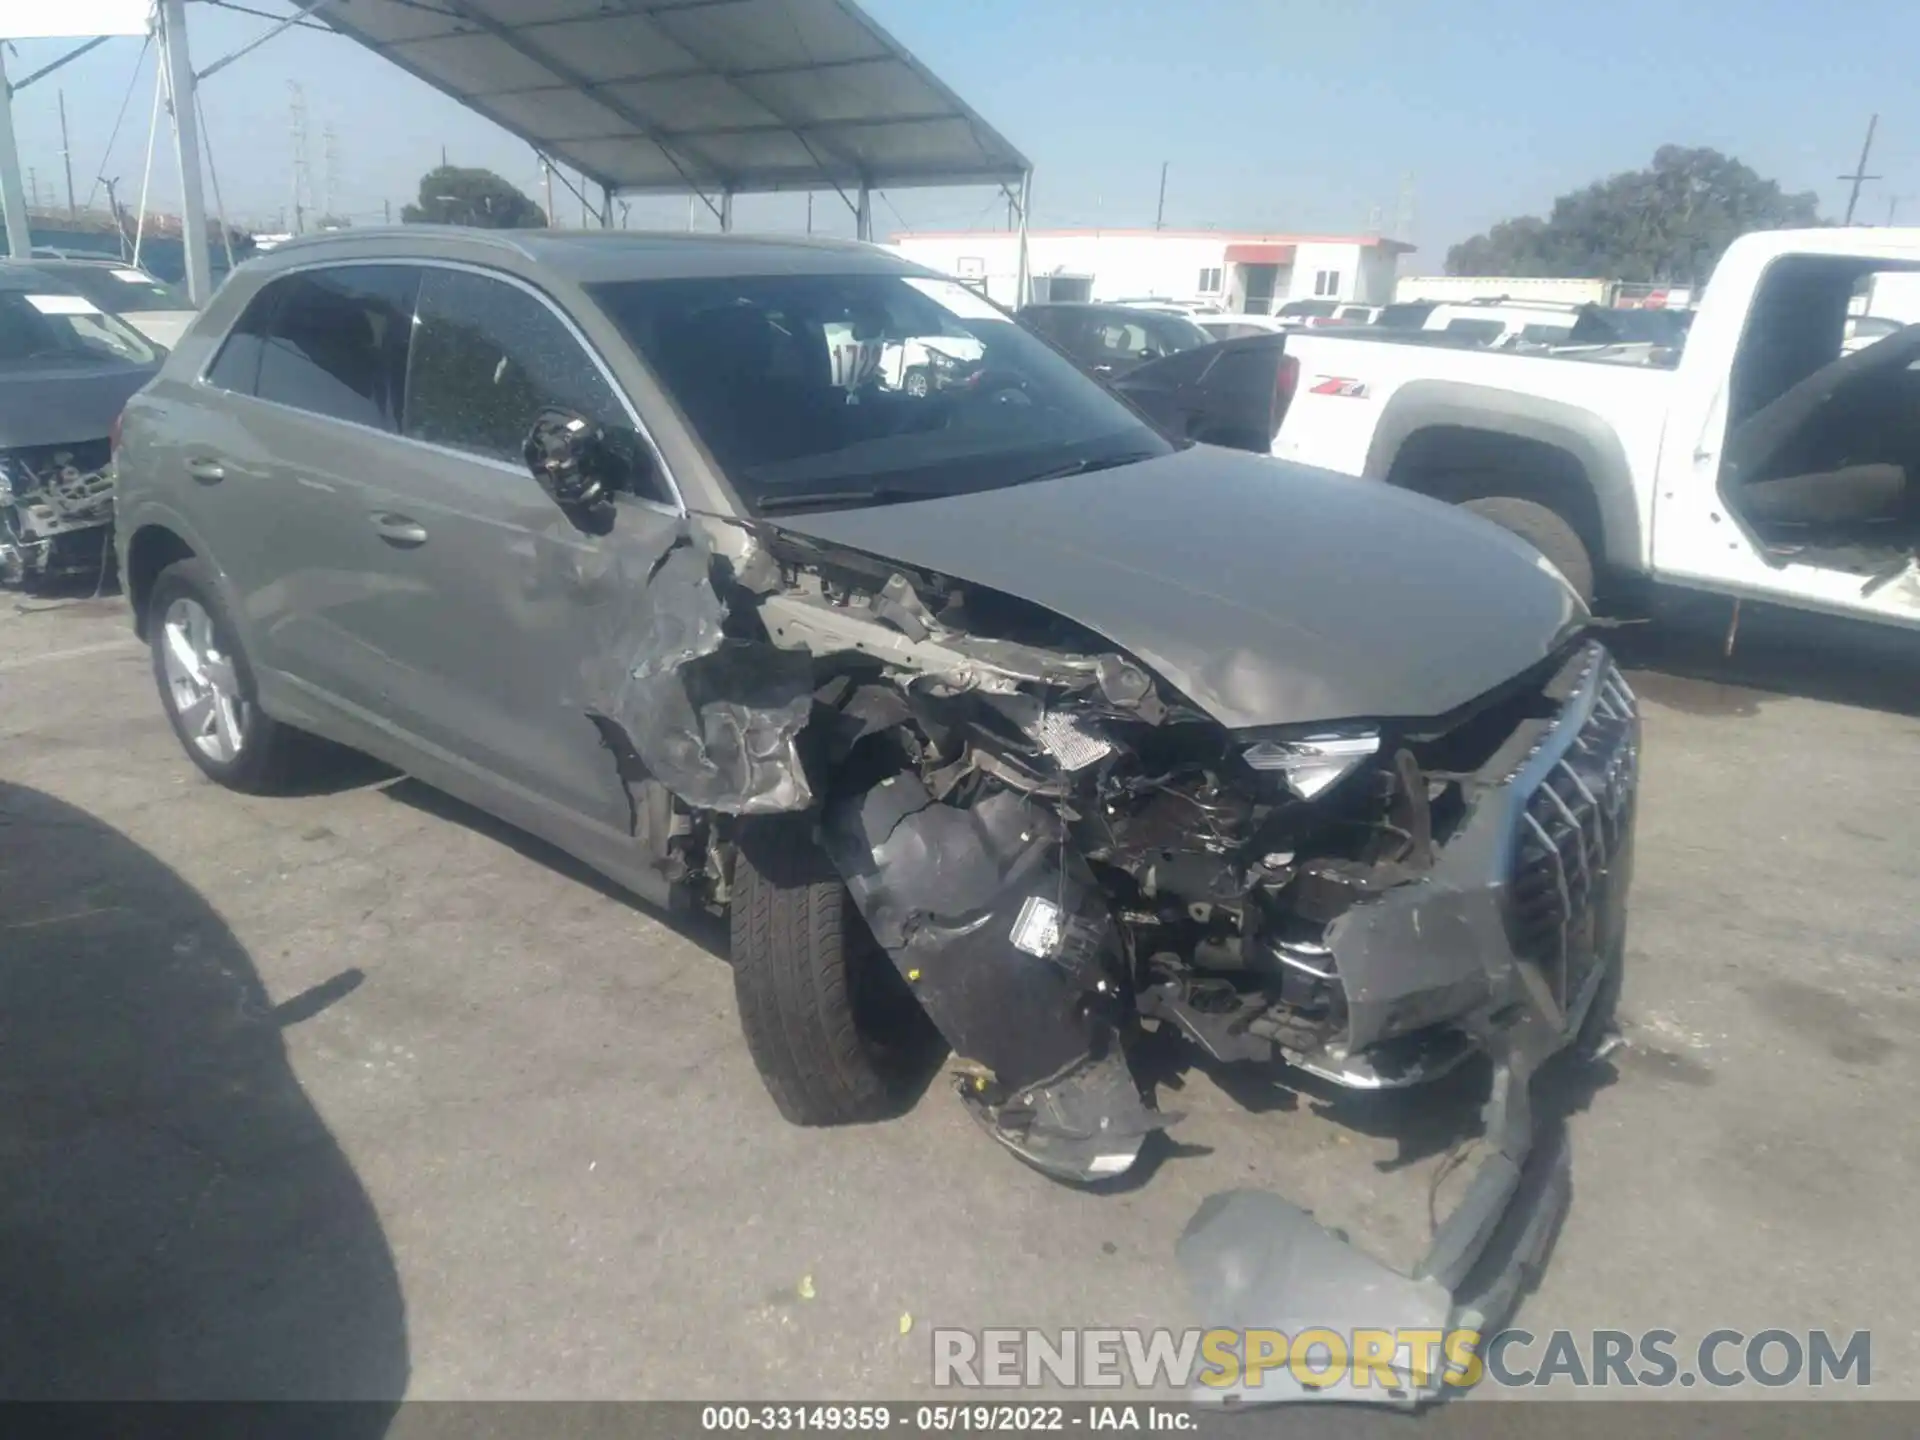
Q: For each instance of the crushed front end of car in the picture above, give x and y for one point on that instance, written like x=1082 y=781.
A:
x=56 y=511
x=1059 y=852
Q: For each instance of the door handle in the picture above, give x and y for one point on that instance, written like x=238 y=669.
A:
x=207 y=471
x=399 y=530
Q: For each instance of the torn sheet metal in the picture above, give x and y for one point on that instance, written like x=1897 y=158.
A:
x=713 y=717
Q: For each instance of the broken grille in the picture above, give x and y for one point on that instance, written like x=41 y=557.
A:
x=1573 y=832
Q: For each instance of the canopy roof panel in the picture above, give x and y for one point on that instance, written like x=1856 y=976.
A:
x=668 y=95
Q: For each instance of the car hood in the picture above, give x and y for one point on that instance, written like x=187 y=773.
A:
x=73 y=403
x=1267 y=593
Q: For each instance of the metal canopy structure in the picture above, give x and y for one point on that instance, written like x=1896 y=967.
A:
x=727 y=96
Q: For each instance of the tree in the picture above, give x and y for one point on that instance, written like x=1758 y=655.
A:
x=1668 y=223
x=451 y=195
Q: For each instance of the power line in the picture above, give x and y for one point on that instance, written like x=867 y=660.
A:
x=125 y=100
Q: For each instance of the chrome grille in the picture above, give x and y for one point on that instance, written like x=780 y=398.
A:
x=1571 y=855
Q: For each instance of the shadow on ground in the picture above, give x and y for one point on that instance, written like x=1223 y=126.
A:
x=176 y=1222
x=1680 y=658
x=704 y=930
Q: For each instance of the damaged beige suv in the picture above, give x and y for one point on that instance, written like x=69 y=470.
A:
x=986 y=708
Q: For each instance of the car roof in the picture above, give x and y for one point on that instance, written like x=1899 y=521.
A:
x=596 y=256
x=21 y=277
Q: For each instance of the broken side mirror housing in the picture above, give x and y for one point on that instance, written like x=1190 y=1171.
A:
x=582 y=465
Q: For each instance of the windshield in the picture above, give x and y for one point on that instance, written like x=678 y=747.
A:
x=857 y=389
x=119 y=291
x=1175 y=332
x=1311 y=309
x=65 y=329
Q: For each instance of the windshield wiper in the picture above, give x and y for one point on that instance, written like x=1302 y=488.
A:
x=872 y=495
x=1092 y=463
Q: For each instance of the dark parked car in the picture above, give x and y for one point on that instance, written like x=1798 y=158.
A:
x=1110 y=340
x=66 y=369
x=985 y=710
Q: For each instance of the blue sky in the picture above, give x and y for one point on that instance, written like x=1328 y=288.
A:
x=1283 y=114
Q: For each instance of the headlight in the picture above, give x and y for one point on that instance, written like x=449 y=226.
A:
x=1312 y=764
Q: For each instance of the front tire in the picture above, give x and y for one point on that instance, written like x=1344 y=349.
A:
x=833 y=1030
x=1547 y=530
x=207 y=689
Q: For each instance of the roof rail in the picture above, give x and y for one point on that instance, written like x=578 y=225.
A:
x=501 y=239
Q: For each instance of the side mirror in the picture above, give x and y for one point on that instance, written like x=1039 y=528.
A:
x=574 y=462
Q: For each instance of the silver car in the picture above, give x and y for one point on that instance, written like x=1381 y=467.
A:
x=991 y=714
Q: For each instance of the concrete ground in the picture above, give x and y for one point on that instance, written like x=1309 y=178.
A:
x=359 y=1092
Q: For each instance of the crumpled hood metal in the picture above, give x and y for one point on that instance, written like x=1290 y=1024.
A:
x=67 y=405
x=1267 y=593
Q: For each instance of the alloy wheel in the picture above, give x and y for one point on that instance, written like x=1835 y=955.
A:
x=201 y=683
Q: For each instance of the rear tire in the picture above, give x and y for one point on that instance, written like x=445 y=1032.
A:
x=835 y=1033
x=245 y=749
x=1546 y=530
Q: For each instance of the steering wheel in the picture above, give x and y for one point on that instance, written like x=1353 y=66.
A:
x=1000 y=387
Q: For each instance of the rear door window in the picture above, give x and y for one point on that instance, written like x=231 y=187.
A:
x=336 y=344
x=1480 y=332
x=237 y=366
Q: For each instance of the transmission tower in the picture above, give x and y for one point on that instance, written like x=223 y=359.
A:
x=302 y=181
x=332 y=177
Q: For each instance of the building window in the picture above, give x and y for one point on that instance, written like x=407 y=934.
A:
x=972 y=267
x=1210 y=281
x=1326 y=282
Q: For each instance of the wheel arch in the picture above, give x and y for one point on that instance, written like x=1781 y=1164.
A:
x=1564 y=456
x=149 y=550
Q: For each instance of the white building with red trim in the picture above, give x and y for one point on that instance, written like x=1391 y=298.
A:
x=1239 y=271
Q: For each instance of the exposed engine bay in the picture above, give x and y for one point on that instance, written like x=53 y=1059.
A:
x=56 y=511
x=1058 y=852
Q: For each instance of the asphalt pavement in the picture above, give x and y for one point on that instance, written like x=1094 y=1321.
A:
x=360 y=1093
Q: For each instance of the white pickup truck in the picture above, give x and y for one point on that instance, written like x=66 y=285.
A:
x=1760 y=461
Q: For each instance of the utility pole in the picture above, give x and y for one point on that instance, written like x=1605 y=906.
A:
x=1160 y=210
x=66 y=157
x=33 y=189
x=809 y=212
x=386 y=212
x=1860 y=176
x=1893 y=204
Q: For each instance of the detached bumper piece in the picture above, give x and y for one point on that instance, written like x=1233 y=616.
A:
x=1007 y=941
x=1531 y=896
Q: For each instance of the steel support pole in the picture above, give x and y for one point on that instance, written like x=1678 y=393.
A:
x=13 y=193
x=186 y=135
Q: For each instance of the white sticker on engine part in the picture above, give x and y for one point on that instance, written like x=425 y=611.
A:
x=132 y=277
x=63 y=305
x=955 y=298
